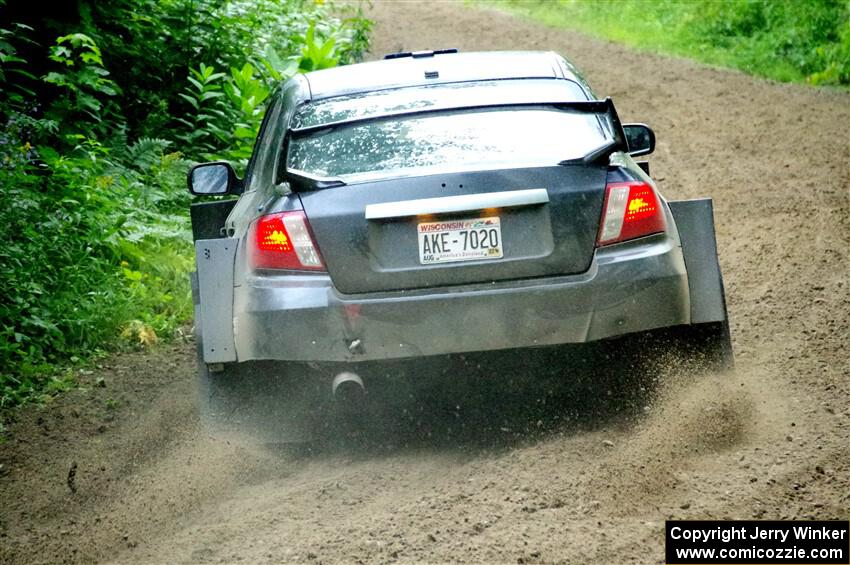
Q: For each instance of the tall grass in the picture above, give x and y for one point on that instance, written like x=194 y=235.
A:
x=786 y=40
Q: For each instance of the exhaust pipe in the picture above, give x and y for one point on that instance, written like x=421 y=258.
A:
x=348 y=387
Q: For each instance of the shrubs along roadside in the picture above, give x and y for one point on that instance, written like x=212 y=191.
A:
x=100 y=124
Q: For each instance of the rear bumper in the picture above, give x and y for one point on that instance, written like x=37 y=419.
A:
x=630 y=287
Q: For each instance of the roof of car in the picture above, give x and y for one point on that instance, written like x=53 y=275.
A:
x=437 y=68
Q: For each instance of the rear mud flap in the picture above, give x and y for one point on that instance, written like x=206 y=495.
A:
x=695 y=222
x=214 y=311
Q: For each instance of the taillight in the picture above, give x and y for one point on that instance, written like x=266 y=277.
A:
x=631 y=209
x=283 y=241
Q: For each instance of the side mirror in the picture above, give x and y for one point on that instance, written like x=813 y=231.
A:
x=640 y=138
x=213 y=178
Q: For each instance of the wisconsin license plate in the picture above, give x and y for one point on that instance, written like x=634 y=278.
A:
x=460 y=240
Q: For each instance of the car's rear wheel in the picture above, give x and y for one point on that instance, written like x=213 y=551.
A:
x=710 y=346
x=696 y=349
x=271 y=403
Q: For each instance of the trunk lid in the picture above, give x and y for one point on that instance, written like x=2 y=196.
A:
x=385 y=252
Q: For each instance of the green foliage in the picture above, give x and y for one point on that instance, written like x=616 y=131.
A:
x=104 y=108
x=14 y=67
x=84 y=84
x=205 y=125
x=284 y=42
x=317 y=54
x=788 y=40
x=247 y=93
x=98 y=242
x=162 y=40
x=225 y=110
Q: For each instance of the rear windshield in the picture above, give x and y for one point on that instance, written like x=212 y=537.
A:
x=447 y=141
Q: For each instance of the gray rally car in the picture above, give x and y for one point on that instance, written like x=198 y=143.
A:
x=428 y=204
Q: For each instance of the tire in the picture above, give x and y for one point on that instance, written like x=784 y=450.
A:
x=694 y=349
x=706 y=347
x=709 y=346
x=265 y=402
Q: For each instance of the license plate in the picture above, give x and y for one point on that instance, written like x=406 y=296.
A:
x=460 y=240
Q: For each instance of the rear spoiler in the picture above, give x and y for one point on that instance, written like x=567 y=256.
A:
x=310 y=181
x=604 y=107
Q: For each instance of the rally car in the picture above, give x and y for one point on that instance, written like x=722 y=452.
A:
x=428 y=204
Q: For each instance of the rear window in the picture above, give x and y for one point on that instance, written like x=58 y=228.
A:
x=447 y=141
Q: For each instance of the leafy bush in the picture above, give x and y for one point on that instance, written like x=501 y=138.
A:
x=84 y=85
x=95 y=242
x=104 y=107
x=204 y=126
x=227 y=127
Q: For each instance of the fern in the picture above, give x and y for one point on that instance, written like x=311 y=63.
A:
x=146 y=152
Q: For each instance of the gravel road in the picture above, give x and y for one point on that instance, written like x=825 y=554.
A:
x=772 y=441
